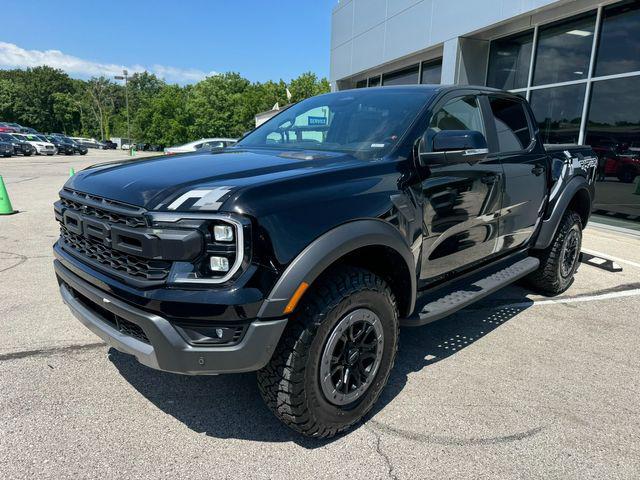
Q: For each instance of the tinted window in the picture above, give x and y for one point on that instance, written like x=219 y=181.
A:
x=564 y=51
x=614 y=114
x=558 y=112
x=512 y=126
x=408 y=76
x=431 y=72
x=509 y=61
x=366 y=122
x=619 y=49
x=458 y=114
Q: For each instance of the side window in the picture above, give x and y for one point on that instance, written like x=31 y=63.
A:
x=512 y=126
x=458 y=114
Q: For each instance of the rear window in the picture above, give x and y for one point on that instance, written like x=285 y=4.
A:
x=512 y=126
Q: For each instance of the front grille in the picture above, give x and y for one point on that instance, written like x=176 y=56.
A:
x=98 y=252
x=121 y=262
x=114 y=321
x=101 y=213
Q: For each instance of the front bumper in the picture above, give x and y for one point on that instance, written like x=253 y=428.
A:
x=161 y=346
x=45 y=150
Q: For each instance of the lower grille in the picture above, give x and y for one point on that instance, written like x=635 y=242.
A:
x=124 y=326
x=132 y=265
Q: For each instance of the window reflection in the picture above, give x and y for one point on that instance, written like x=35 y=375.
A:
x=558 y=112
x=564 y=51
x=408 y=76
x=374 y=81
x=619 y=45
x=509 y=61
x=613 y=127
x=431 y=72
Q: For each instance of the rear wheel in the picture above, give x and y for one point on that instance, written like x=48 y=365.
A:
x=559 y=262
x=335 y=356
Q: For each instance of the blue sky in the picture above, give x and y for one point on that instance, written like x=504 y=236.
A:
x=180 y=40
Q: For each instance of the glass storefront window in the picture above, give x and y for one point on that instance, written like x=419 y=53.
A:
x=407 y=76
x=431 y=72
x=619 y=44
x=361 y=83
x=509 y=61
x=558 y=111
x=613 y=128
x=564 y=51
x=374 y=81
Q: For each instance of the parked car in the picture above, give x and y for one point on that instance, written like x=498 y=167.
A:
x=62 y=146
x=28 y=130
x=89 y=142
x=109 y=145
x=42 y=146
x=6 y=149
x=206 y=143
x=77 y=148
x=20 y=147
x=301 y=251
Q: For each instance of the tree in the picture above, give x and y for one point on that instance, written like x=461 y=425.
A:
x=307 y=85
x=100 y=97
x=216 y=106
x=165 y=118
x=220 y=105
x=31 y=95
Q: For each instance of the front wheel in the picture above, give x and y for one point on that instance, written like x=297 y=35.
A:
x=559 y=262
x=335 y=356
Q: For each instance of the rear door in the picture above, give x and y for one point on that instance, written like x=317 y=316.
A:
x=525 y=163
x=461 y=200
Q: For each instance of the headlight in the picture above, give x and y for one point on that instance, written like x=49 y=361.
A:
x=219 y=264
x=223 y=233
x=226 y=250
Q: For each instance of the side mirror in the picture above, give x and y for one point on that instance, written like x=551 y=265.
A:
x=452 y=146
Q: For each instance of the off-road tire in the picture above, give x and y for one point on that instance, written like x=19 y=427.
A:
x=549 y=279
x=290 y=383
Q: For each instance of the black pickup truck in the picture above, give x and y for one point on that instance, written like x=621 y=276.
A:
x=299 y=252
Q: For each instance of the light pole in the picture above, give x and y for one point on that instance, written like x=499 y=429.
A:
x=125 y=76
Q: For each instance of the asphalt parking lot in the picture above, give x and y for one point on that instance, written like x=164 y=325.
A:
x=519 y=386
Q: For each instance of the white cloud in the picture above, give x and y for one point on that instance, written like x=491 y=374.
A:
x=13 y=56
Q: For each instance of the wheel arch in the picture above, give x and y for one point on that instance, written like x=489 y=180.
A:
x=372 y=244
x=576 y=196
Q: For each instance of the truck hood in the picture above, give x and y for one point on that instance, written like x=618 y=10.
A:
x=201 y=181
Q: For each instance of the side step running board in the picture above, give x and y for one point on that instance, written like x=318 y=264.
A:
x=446 y=301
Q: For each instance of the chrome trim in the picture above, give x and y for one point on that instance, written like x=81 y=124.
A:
x=239 y=243
x=475 y=151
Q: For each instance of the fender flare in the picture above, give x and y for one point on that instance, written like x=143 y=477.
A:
x=550 y=225
x=327 y=249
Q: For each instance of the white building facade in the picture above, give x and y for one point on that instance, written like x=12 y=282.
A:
x=576 y=61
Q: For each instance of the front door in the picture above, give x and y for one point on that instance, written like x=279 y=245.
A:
x=461 y=200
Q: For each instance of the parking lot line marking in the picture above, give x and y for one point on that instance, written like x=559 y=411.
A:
x=609 y=257
x=585 y=298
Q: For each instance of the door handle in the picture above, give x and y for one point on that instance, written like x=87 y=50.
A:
x=489 y=179
x=537 y=170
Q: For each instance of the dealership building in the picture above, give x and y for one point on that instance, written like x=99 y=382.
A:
x=577 y=62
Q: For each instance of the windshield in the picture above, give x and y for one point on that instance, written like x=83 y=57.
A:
x=366 y=122
x=6 y=137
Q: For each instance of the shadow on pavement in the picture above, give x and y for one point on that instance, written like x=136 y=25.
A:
x=230 y=406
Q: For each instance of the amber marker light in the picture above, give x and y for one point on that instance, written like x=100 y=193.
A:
x=296 y=297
